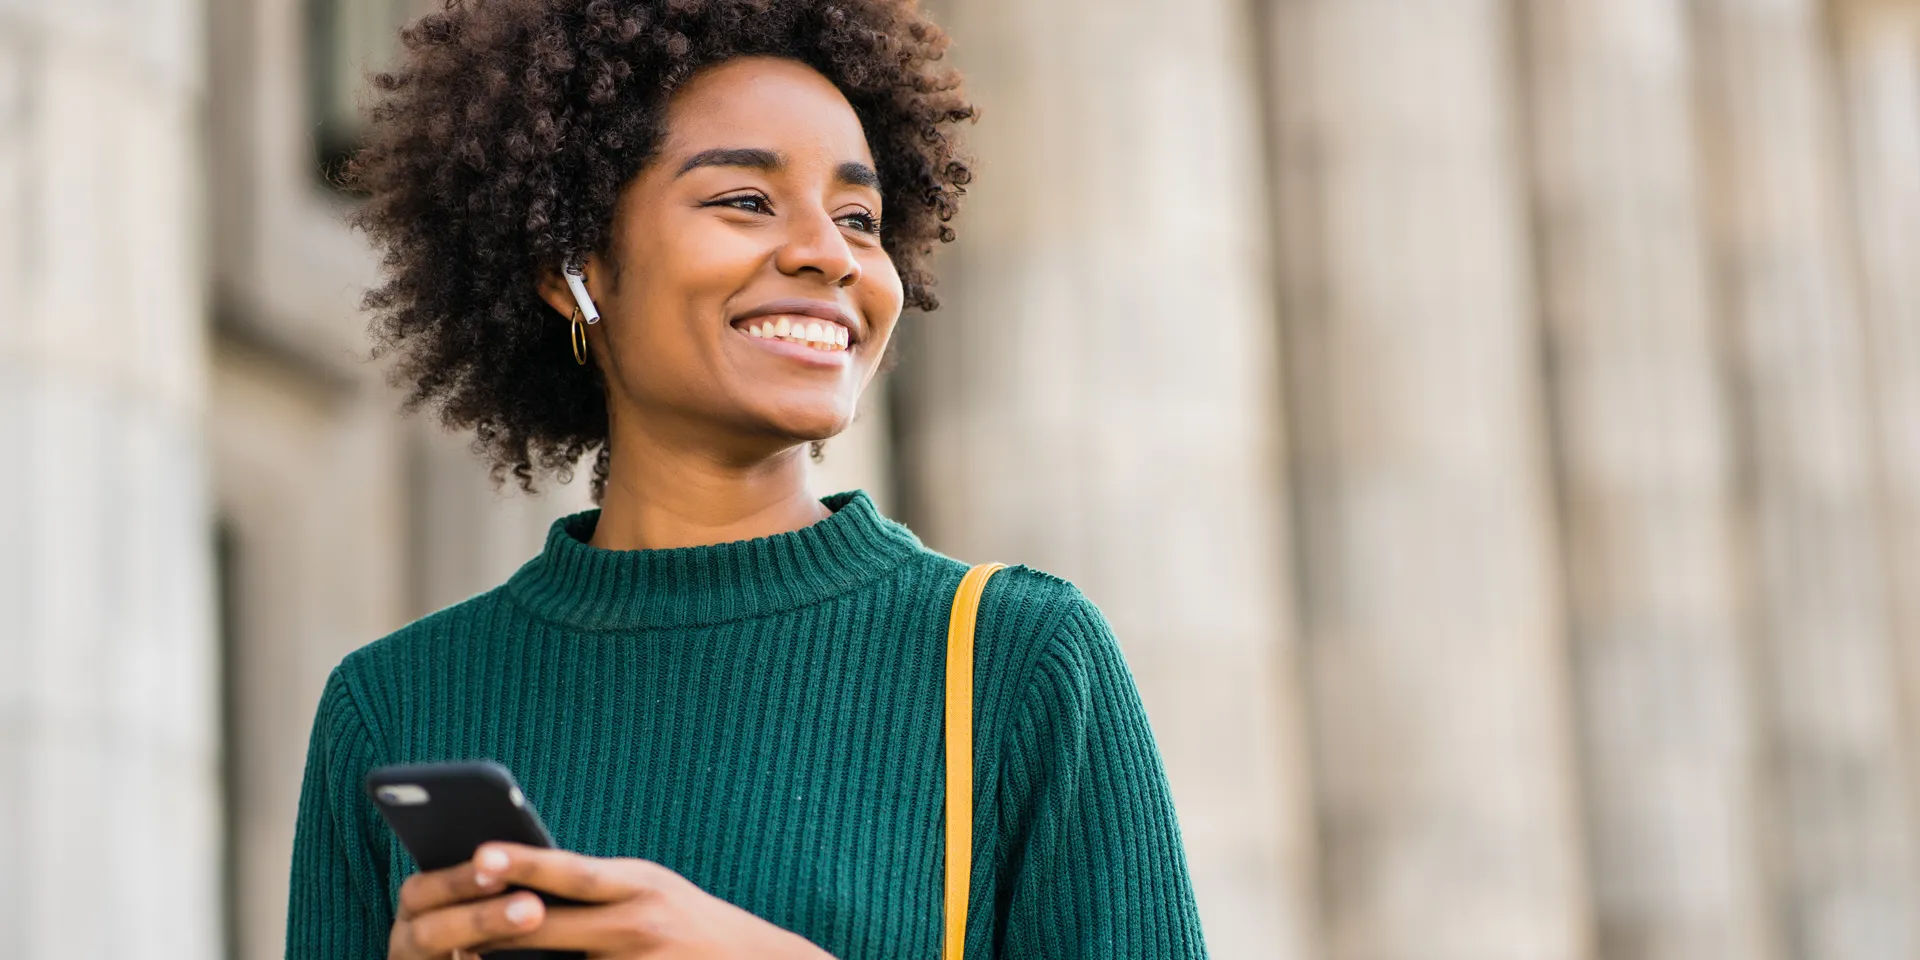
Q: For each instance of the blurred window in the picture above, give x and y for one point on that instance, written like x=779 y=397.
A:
x=346 y=41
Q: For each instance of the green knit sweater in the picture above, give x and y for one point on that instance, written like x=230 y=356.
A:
x=765 y=717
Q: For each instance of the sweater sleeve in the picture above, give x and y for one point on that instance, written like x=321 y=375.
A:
x=337 y=903
x=1093 y=865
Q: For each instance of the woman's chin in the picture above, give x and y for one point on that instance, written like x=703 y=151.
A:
x=803 y=414
x=793 y=432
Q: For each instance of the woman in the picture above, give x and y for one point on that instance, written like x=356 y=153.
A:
x=723 y=692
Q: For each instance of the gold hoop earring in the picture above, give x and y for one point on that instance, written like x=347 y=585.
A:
x=577 y=332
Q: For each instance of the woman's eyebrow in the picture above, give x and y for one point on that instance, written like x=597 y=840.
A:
x=754 y=158
x=851 y=172
x=857 y=174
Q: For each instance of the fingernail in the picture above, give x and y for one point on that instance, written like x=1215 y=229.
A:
x=491 y=859
x=520 y=911
x=483 y=880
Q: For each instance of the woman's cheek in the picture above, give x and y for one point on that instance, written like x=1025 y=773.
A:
x=889 y=297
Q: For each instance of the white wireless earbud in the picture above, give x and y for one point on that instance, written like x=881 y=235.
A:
x=577 y=282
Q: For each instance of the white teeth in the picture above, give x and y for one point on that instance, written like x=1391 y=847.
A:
x=822 y=334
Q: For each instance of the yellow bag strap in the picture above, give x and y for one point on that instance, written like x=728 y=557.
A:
x=966 y=610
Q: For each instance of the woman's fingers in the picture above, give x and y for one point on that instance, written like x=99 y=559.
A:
x=590 y=929
x=571 y=875
x=439 y=888
x=437 y=933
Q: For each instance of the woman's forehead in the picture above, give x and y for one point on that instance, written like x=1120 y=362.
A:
x=767 y=103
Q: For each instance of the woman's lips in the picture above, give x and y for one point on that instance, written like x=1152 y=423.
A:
x=798 y=313
x=806 y=353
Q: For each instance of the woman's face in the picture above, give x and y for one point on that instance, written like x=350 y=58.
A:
x=745 y=296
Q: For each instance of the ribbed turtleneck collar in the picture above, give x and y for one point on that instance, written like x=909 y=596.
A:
x=584 y=586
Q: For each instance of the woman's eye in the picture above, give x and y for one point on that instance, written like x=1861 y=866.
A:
x=751 y=198
x=864 y=221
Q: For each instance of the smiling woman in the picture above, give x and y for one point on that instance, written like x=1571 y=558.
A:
x=762 y=201
x=508 y=143
x=681 y=233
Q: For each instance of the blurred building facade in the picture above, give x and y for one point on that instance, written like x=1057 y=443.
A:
x=1493 y=430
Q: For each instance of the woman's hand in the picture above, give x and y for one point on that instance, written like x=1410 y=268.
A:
x=630 y=909
x=445 y=914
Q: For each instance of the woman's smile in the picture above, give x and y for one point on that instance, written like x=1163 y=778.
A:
x=812 y=332
x=819 y=343
x=827 y=335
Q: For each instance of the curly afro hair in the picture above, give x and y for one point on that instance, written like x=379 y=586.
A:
x=499 y=146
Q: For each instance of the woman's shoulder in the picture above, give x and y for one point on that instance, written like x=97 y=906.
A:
x=425 y=642
x=1018 y=598
x=1031 y=621
x=1060 y=621
x=1020 y=590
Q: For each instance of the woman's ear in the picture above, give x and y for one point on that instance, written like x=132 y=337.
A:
x=552 y=287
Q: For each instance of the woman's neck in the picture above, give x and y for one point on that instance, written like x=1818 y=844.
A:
x=657 y=498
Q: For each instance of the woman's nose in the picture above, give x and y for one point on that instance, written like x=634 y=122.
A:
x=814 y=242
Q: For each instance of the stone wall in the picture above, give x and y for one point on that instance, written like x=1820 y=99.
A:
x=110 y=834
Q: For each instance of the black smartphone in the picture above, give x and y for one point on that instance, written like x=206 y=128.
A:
x=443 y=812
